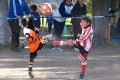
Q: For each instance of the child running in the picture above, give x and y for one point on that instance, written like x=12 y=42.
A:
x=83 y=42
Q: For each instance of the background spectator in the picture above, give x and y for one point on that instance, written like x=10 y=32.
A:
x=50 y=22
x=16 y=10
x=64 y=10
x=35 y=19
x=78 y=10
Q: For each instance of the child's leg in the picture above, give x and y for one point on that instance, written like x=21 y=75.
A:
x=83 y=66
x=84 y=62
x=61 y=43
x=31 y=61
x=32 y=57
x=83 y=56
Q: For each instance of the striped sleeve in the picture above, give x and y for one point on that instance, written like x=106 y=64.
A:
x=85 y=34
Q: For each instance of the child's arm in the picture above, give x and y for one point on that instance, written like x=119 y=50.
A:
x=86 y=35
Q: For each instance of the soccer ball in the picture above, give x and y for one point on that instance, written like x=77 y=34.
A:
x=46 y=8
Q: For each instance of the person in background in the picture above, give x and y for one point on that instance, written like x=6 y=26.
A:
x=15 y=13
x=34 y=22
x=79 y=10
x=117 y=31
x=49 y=20
x=64 y=10
x=112 y=12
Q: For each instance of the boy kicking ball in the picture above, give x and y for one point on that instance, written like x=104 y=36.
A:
x=34 y=44
x=83 y=42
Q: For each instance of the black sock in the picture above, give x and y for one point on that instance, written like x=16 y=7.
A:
x=30 y=69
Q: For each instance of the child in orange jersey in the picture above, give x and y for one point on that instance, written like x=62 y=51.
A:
x=34 y=42
x=83 y=42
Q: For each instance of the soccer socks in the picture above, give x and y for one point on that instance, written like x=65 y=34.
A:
x=30 y=68
x=57 y=43
x=83 y=66
x=30 y=65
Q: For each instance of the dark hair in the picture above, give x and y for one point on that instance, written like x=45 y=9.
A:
x=87 y=19
x=33 y=7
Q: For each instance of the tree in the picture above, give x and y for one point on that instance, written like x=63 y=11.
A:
x=4 y=29
x=100 y=25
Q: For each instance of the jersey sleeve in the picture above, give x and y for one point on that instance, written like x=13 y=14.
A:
x=85 y=35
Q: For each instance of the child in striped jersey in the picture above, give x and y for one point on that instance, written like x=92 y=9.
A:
x=83 y=42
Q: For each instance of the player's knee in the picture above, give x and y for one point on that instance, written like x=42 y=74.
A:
x=83 y=58
x=31 y=62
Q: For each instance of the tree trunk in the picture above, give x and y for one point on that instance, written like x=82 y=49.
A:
x=4 y=29
x=100 y=25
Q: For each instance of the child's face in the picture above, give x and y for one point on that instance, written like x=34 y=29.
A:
x=68 y=2
x=84 y=24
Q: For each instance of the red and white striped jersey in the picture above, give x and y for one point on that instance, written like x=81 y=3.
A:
x=85 y=38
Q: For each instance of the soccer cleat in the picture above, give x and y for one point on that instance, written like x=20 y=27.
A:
x=82 y=75
x=49 y=41
x=31 y=74
x=44 y=40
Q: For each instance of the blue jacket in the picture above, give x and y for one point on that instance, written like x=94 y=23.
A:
x=62 y=10
x=36 y=20
x=49 y=18
x=17 y=9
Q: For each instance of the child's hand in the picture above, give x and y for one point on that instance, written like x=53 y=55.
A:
x=36 y=29
x=29 y=15
x=78 y=35
x=72 y=42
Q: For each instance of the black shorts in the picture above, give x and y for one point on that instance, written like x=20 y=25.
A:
x=40 y=46
x=83 y=53
x=34 y=54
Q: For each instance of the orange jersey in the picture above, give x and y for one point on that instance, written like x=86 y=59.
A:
x=32 y=39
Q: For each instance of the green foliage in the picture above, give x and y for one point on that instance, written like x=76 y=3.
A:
x=89 y=7
x=112 y=4
x=115 y=4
